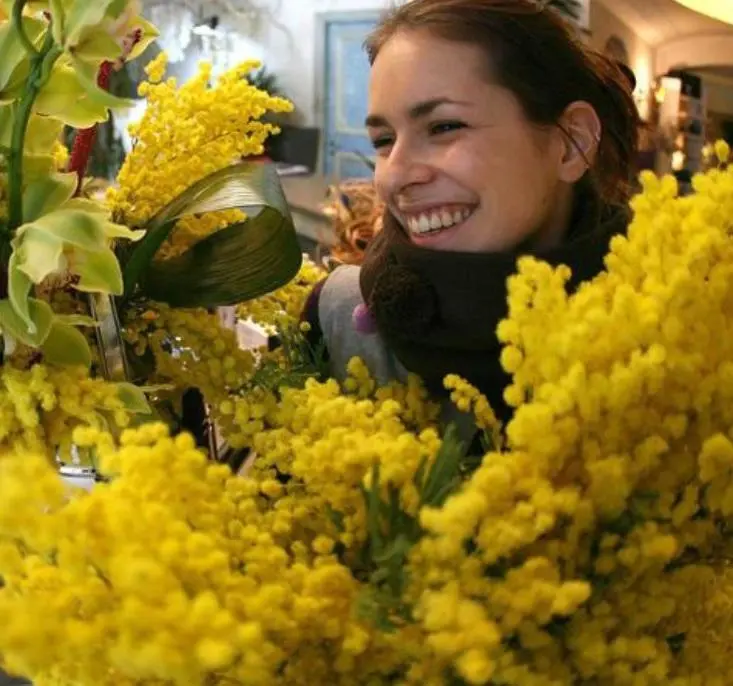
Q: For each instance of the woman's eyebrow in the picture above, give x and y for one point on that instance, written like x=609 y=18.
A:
x=417 y=111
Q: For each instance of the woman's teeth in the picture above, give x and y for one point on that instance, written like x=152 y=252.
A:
x=432 y=222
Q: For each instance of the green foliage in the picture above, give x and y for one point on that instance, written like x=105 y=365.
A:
x=266 y=81
x=212 y=272
x=393 y=532
x=303 y=361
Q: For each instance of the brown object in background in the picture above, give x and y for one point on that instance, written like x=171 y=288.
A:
x=356 y=216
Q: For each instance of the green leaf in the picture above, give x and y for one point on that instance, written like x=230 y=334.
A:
x=46 y=194
x=239 y=263
x=133 y=398
x=445 y=472
x=99 y=272
x=394 y=516
x=247 y=184
x=232 y=265
x=66 y=345
x=337 y=519
x=419 y=475
x=33 y=334
x=373 y=511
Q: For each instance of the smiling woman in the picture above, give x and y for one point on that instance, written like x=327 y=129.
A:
x=497 y=134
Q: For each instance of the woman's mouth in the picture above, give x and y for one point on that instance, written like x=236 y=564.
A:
x=438 y=219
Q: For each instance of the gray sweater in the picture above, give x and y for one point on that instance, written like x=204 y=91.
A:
x=338 y=299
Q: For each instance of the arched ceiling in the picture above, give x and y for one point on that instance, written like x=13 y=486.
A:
x=660 y=21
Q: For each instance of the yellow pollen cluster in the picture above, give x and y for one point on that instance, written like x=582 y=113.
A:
x=187 y=133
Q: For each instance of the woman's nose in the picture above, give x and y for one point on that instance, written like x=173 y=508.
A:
x=402 y=168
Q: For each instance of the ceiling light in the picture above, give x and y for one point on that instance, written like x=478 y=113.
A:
x=722 y=10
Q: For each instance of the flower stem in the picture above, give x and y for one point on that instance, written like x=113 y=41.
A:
x=19 y=29
x=41 y=62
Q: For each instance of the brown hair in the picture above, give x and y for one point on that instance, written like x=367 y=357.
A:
x=537 y=55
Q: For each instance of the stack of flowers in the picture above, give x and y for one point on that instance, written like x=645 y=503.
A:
x=591 y=548
x=590 y=544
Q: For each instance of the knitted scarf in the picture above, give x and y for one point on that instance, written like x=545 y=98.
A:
x=439 y=311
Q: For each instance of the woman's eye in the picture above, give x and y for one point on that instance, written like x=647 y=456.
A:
x=381 y=142
x=446 y=127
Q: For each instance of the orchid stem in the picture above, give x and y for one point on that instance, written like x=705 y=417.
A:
x=41 y=62
x=18 y=7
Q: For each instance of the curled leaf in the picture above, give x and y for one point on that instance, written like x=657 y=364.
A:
x=235 y=264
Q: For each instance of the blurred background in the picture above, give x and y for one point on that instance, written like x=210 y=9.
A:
x=678 y=55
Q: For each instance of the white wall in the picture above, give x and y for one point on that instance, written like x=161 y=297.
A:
x=604 y=24
x=718 y=94
x=288 y=47
x=292 y=55
x=295 y=64
x=695 y=51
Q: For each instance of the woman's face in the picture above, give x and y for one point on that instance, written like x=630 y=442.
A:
x=458 y=162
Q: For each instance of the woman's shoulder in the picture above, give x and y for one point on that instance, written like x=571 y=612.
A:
x=332 y=311
x=332 y=301
x=340 y=295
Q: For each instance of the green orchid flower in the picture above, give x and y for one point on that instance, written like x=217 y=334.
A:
x=66 y=237
x=66 y=97
x=14 y=62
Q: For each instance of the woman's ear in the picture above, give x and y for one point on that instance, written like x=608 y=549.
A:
x=581 y=129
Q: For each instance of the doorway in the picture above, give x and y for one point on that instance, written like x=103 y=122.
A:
x=343 y=75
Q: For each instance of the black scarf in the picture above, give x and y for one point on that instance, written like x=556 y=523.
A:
x=438 y=310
